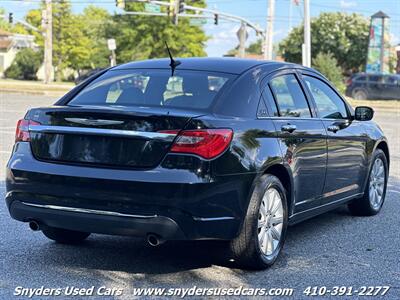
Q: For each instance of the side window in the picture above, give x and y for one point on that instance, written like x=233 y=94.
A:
x=361 y=78
x=289 y=97
x=329 y=104
x=391 y=80
x=375 y=79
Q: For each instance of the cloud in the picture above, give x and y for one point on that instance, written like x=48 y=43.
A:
x=224 y=38
x=347 y=4
x=395 y=39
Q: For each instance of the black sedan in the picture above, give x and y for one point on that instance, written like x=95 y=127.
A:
x=197 y=149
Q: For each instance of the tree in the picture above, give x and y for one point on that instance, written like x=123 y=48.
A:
x=71 y=47
x=25 y=65
x=95 y=22
x=143 y=37
x=343 y=35
x=4 y=25
x=254 y=48
x=327 y=64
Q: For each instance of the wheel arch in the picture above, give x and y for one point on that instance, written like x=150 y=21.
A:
x=383 y=145
x=285 y=177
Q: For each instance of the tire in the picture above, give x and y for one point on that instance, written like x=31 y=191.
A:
x=246 y=249
x=360 y=94
x=64 y=236
x=368 y=205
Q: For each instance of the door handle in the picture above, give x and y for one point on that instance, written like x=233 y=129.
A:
x=288 y=128
x=333 y=128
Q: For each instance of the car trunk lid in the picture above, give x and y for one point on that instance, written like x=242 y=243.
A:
x=105 y=136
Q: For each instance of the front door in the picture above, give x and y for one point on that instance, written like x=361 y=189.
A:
x=302 y=138
x=347 y=159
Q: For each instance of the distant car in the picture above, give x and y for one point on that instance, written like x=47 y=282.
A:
x=221 y=149
x=87 y=74
x=373 y=86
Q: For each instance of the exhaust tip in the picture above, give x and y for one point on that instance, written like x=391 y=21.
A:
x=34 y=226
x=154 y=240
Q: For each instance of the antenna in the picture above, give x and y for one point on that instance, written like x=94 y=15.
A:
x=174 y=63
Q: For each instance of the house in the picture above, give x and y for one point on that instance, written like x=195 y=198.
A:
x=10 y=44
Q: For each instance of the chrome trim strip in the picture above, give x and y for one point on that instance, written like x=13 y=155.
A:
x=102 y=131
x=213 y=219
x=344 y=200
x=93 y=122
x=89 y=211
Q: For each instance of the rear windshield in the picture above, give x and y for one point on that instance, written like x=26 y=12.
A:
x=156 y=87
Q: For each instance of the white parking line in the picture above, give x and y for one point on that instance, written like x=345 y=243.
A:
x=393 y=191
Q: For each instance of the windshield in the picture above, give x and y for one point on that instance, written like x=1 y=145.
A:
x=186 y=89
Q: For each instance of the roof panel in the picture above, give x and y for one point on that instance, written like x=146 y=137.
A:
x=225 y=64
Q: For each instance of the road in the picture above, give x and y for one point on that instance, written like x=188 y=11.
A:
x=334 y=249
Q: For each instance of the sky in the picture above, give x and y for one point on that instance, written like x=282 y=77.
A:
x=223 y=36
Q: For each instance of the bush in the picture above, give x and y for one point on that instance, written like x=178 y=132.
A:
x=328 y=66
x=25 y=65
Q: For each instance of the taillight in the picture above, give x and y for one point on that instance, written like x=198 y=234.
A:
x=22 y=131
x=207 y=143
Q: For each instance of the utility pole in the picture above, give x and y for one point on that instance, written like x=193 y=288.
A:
x=177 y=5
x=242 y=35
x=48 y=43
x=112 y=46
x=269 y=34
x=307 y=35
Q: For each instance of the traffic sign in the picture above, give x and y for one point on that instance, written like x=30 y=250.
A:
x=152 y=8
x=198 y=22
x=112 y=45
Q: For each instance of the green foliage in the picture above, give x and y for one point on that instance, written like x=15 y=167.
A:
x=71 y=48
x=327 y=64
x=80 y=40
x=74 y=44
x=255 y=48
x=343 y=35
x=25 y=65
x=95 y=22
x=142 y=37
x=4 y=25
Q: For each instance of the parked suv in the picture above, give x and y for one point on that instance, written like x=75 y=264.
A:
x=373 y=86
x=221 y=149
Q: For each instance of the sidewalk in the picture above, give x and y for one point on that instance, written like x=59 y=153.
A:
x=35 y=87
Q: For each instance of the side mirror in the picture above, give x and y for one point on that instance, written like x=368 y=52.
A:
x=363 y=113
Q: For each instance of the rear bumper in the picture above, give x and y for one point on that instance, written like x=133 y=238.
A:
x=173 y=203
x=97 y=223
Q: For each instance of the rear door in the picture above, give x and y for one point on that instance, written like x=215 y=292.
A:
x=347 y=159
x=392 y=87
x=301 y=136
x=376 y=87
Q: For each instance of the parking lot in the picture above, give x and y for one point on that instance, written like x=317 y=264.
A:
x=334 y=249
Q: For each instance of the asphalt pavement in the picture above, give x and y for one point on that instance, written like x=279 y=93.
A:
x=334 y=249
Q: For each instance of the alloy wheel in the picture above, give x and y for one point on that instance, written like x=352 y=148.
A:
x=270 y=222
x=377 y=184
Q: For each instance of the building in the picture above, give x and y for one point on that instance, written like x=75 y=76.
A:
x=10 y=45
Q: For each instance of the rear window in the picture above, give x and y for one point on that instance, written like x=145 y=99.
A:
x=186 y=89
